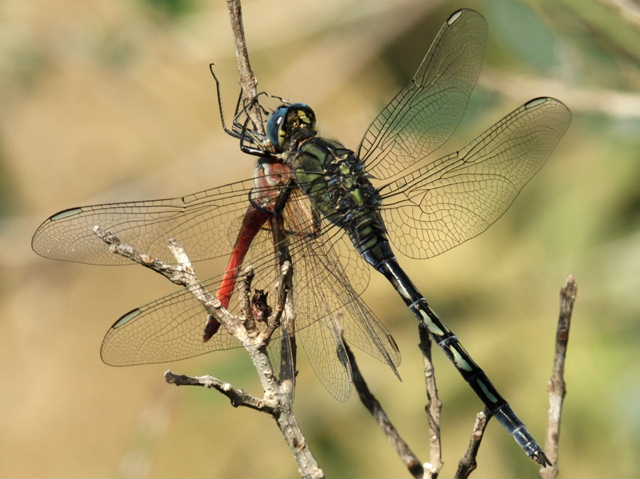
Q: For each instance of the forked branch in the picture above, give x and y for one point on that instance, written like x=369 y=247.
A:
x=277 y=395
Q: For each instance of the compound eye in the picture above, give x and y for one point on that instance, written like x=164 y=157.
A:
x=275 y=127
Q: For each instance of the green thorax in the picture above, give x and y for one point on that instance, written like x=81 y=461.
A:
x=339 y=188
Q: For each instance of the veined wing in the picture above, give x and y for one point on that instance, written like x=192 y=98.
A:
x=331 y=293
x=205 y=223
x=170 y=328
x=458 y=196
x=425 y=113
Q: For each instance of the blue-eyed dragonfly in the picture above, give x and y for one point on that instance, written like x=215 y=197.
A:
x=341 y=212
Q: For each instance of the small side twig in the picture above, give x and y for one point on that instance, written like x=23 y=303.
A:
x=181 y=274
x=276 y=399
x=468 y=462
x=557 y=385
x=237 y=396
x=369 y=401
x=433 y=409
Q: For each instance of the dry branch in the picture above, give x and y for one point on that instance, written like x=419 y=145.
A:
x=433 y=409
x=557 y=385
x=369 y=401
x=238 y=397
x=277 y=395
x=468 y=462
x=248 y=81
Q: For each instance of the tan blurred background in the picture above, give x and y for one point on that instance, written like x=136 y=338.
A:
x=108 y=100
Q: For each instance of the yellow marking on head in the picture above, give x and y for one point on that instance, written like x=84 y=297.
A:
x=302 y=115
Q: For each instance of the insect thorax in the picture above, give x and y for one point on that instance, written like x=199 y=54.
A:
x=336 y=182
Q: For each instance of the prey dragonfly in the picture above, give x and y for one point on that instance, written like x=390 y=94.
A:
x=340 y=211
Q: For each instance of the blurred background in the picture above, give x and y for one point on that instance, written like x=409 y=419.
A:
x=108 y=100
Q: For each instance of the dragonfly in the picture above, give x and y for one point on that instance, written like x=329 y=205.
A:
x=343 y=213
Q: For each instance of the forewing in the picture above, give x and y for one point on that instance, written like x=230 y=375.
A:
x=425 y=113
x=456 y=197
x=200 y=222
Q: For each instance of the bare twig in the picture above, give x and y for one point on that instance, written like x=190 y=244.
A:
x=181 y=274
x=247 y=309
x=557 y=385
x=237 y=396
x=276 y=398
x=346 y=356
x=278 y=394
x=248 y=81
x=468 y=462
x=285 y=312
x=433 y=409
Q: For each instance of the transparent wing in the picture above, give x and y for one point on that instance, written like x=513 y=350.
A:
x=205 y=223
x=332 y=293
x=456 y=197
x=170 y=328
x=362 y=329
x=424 y=114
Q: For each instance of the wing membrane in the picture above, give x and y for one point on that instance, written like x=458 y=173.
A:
x=331 y=293
x=170 y=328
x=205 y=223
x=424 y=114
x=456 y=197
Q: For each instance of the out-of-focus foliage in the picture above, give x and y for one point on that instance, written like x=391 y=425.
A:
x=529 y=39
x=170 y=9
x=107 y=101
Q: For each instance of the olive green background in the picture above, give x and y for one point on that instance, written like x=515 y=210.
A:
x=106 y=100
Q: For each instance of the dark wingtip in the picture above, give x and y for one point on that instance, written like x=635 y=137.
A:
x=462 y=11
x=126 y=318
x=51 y=219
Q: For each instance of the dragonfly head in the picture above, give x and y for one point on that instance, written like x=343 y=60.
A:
x=290 y=124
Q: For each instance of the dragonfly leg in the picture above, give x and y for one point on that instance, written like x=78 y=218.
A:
x=238 y=130
x=229 y=131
